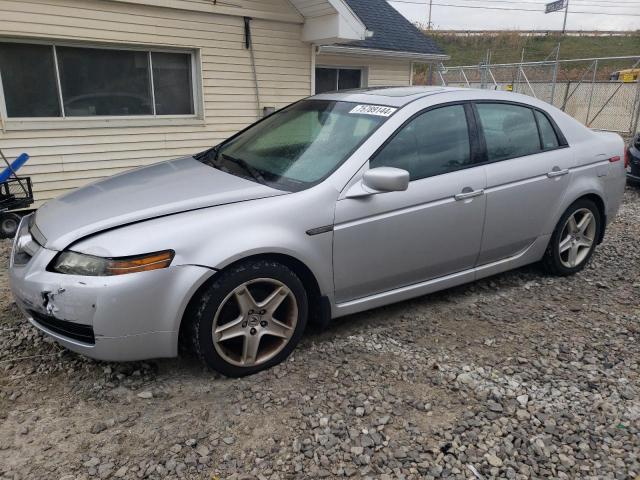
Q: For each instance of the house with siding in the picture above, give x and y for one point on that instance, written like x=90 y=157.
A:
x=91 y=88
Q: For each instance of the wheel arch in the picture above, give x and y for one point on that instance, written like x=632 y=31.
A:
x=599 y=202
x=319 y=306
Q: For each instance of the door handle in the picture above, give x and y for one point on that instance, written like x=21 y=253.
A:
x=556 y=172
x=468 y=193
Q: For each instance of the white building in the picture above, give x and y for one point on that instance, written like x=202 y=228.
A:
x=91 y=88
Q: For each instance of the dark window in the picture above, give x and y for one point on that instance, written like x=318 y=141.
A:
x=104 y=82
x=433 y=143
x=331 y=79
x=29 y=80
x=94 y=81
x=510 y=130
x=172 y=82
x=547 y=133
x=349 y=79
x=326 y=80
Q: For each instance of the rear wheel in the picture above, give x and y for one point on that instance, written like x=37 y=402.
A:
x=574 y=239
x=250 y=318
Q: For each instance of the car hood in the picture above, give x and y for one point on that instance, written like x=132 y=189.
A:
x=161 y=189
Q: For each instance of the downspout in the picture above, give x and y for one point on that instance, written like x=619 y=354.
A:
x=249 y=46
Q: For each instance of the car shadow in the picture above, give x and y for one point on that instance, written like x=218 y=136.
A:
x=380 y=316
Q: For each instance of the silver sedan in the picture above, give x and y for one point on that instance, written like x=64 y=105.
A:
x=339 y=203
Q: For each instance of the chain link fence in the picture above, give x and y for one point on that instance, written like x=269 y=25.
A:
x=602 y=93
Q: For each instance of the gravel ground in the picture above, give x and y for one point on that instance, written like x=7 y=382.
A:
x=518 y=376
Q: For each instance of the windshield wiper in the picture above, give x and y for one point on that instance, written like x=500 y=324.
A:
x=208 y=156
x=255 y=173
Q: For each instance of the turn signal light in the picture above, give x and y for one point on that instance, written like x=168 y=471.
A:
x=154 y=261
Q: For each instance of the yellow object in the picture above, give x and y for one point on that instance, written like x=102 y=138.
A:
x=626 y=76
x=152 y=261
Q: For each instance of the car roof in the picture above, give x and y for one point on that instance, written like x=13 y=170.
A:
x=392 y=96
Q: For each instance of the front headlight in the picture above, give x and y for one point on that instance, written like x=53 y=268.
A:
x=24 y=246
x=74 y=263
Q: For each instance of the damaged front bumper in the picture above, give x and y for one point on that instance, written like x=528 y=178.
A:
x=118 y=318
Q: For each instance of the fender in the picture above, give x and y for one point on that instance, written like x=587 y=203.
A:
x=218 y=236
x=581 y=185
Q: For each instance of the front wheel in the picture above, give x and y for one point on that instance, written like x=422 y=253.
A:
x=250 y=318
x=574 y=239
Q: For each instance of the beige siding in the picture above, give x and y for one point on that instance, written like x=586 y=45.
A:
x=380 y=71
x=64 y=158
x=269 y=9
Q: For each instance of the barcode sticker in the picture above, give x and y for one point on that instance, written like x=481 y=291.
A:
x=379 y=110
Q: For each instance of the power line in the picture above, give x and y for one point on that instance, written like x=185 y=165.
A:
x=620 y=2
x=517 y=2
x=513 y=9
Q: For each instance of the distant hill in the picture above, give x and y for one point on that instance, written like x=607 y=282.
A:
x=506 y=47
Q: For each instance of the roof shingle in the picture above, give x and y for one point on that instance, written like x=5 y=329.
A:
x=391 y=31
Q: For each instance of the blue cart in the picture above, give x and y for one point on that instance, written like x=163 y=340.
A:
x=16 y=193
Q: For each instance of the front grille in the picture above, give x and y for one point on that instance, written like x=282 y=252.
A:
x=75 y=331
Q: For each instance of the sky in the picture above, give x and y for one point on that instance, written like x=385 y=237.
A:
x=447 y=17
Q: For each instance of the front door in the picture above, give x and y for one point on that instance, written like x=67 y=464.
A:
x=527 y=177
x=434 y=228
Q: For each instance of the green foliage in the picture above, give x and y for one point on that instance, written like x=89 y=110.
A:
x=506 y=47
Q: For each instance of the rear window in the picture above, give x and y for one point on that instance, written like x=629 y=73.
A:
x=547 y=133
x=510 y=130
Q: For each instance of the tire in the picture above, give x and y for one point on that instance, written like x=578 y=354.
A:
x=9 y=223
x=235 y=305
x=568 y=252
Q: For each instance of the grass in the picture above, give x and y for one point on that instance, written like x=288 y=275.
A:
x=506 y=47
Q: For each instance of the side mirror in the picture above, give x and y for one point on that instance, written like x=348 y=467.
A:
x=386 y=179
x=380 y=180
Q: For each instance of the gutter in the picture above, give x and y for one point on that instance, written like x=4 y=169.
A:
x=373 y=52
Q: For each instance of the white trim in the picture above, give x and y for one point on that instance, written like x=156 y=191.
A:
x=349 y=16
x=226 y=8
x=337 y=22
x=197 y=85
x=151 y=86
x=313 y=70
x=58 y=83
x=372 y=52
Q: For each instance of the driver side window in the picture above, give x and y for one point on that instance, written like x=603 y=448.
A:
x=433 y=143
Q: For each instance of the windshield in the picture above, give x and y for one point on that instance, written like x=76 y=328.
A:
x=298 y=146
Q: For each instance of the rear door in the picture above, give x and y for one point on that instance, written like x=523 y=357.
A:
x=528 y=172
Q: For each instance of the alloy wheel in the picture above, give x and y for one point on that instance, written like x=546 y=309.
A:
x=255 y=322
x=577 y=237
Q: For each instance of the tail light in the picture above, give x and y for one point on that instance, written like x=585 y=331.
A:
x=627 y=156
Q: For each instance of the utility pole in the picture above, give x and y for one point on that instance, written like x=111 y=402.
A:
x=566 y=11
x=429 y=26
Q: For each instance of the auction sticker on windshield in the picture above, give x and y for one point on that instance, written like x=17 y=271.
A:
x=379 y=110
